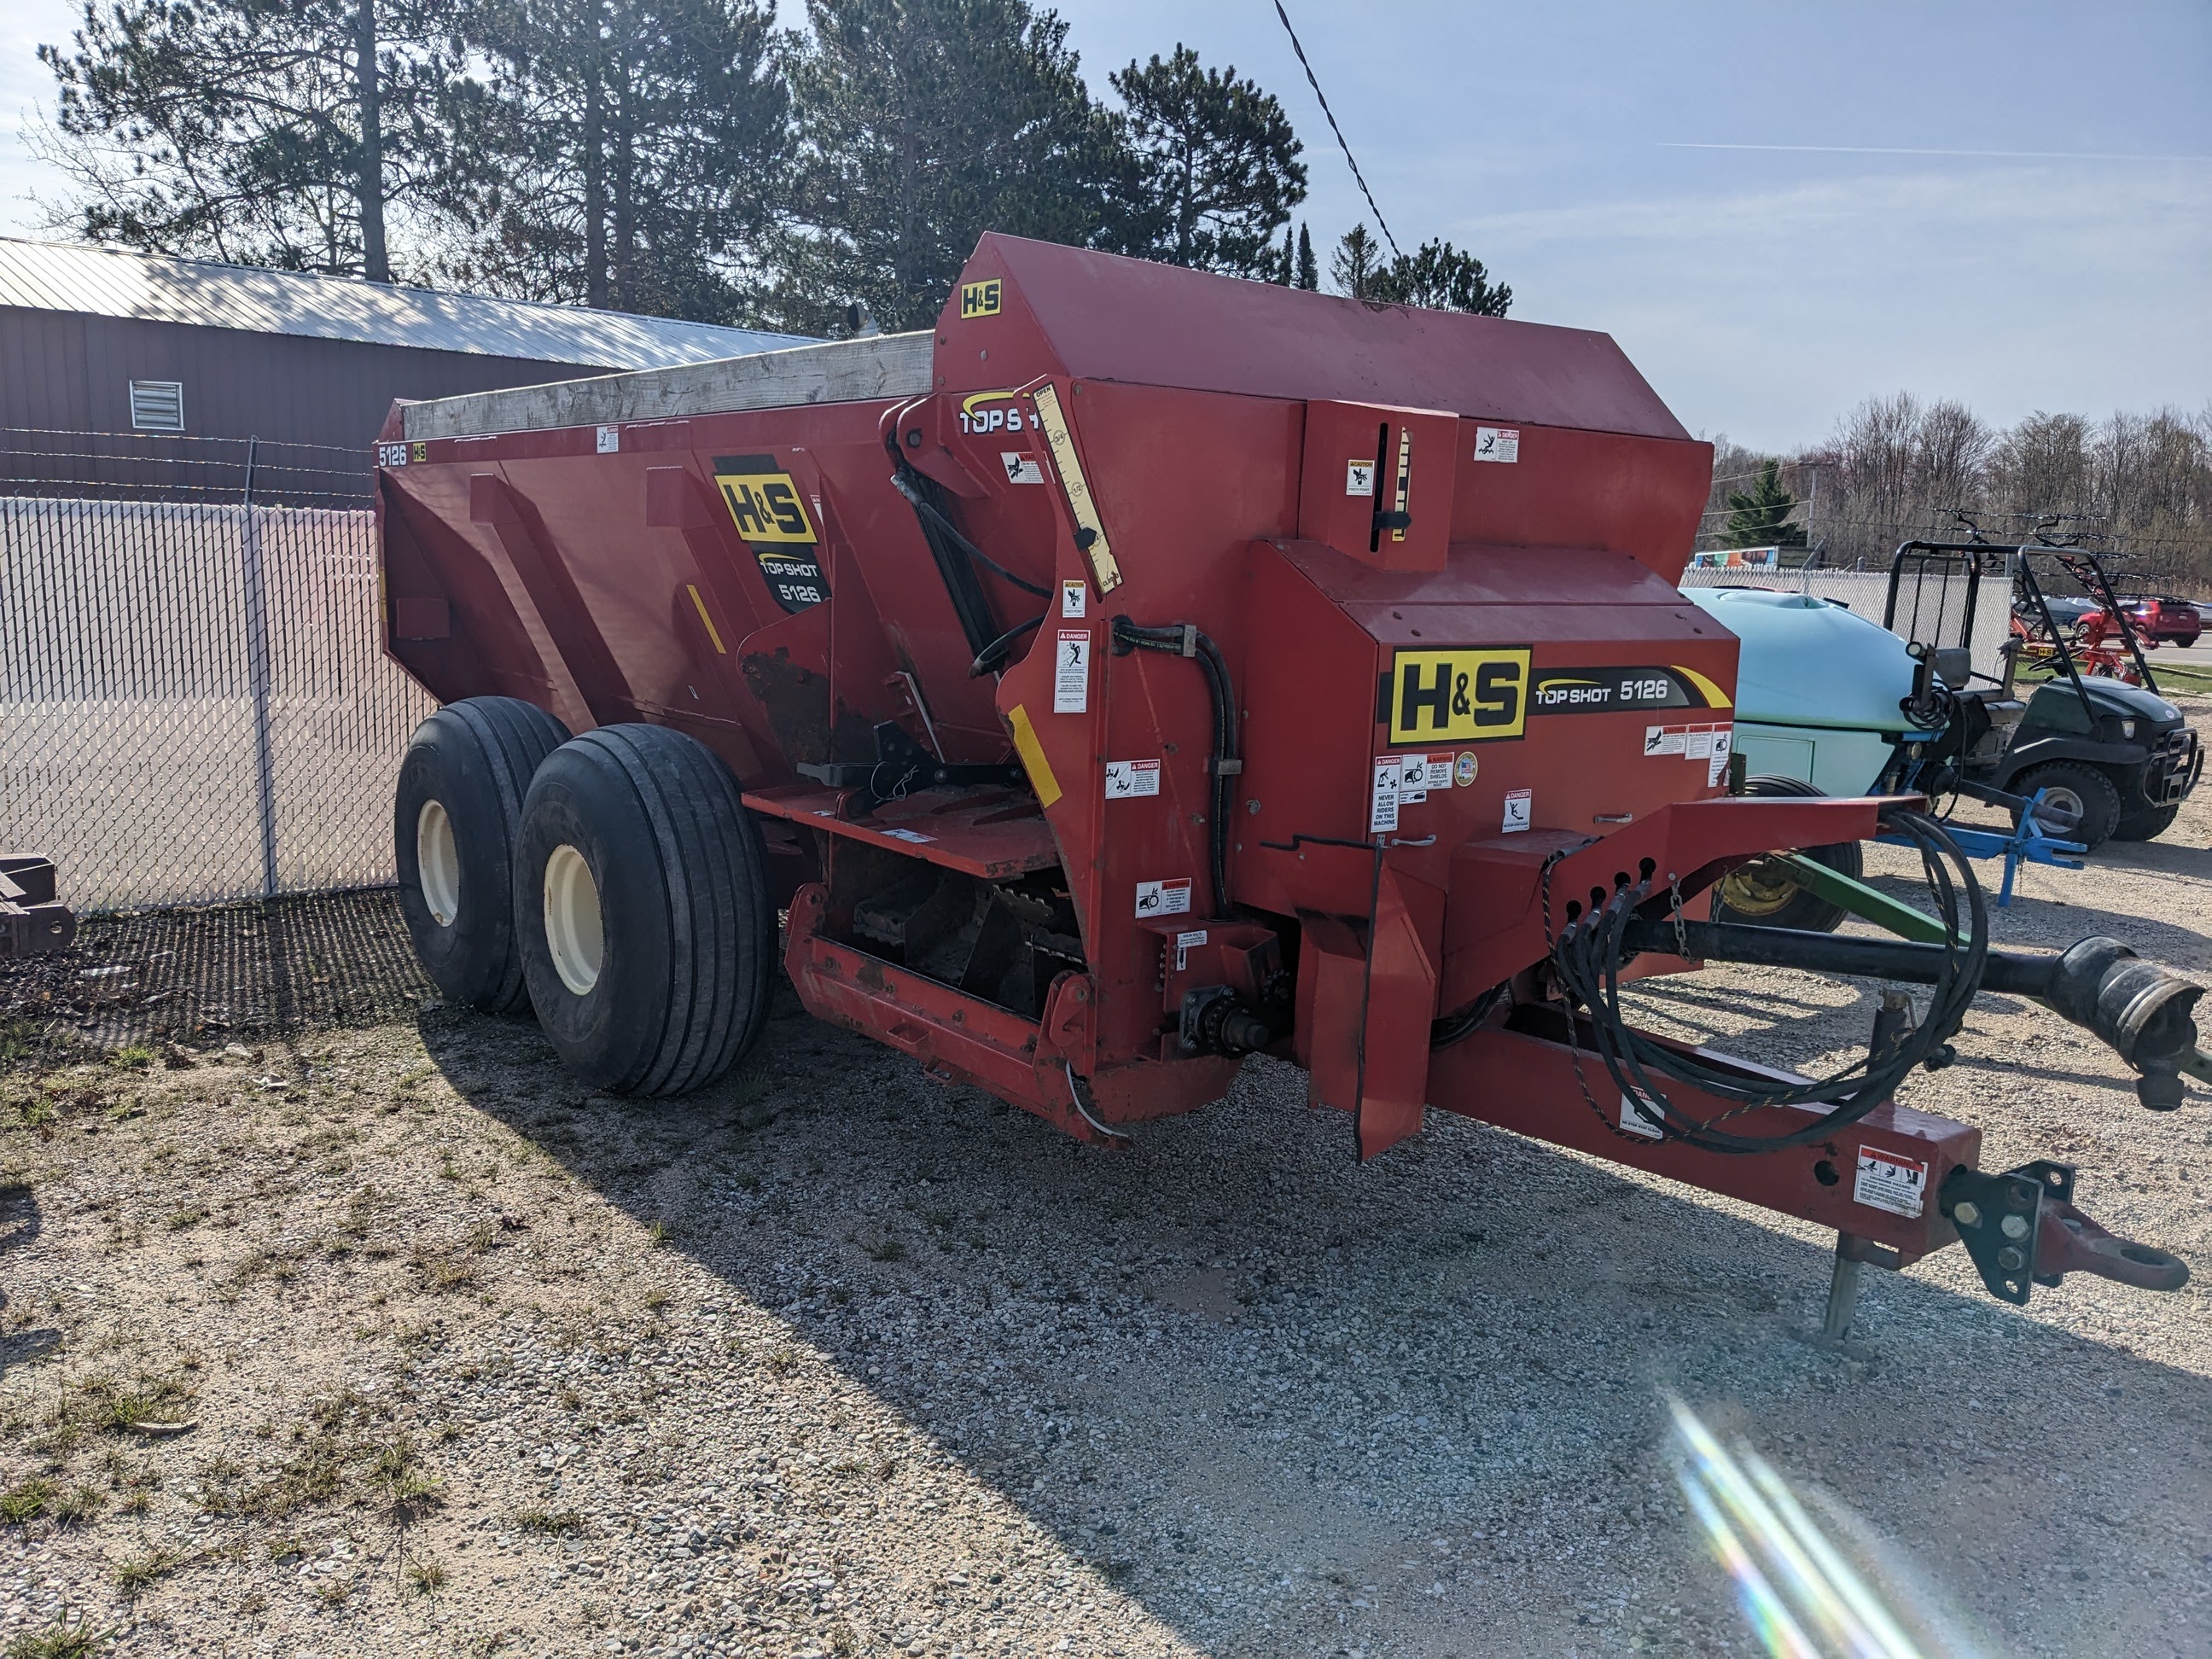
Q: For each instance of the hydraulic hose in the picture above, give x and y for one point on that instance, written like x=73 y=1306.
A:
x=1588 y=950
x=1185 y=640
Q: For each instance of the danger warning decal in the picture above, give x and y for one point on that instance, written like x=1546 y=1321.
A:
x=1604 y=690
x=1470 y=695
x=771 y=516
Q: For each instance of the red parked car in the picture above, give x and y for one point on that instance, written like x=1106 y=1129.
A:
x=2169 y=621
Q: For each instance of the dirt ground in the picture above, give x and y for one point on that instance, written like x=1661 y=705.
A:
x=356 y=1327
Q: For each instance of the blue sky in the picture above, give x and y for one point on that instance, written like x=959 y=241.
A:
x=1763 y=290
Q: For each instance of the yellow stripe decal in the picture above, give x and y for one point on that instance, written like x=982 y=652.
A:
x=1715 y=697
x=1033 y=760
x=713 y=633
x=1059 y=443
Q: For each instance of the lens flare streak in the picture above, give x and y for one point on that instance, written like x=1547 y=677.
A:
x=1801 y=1598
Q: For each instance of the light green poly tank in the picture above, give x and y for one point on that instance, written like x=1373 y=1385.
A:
x=1817 y=686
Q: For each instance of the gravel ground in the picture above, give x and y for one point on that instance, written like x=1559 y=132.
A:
x=395 y=1341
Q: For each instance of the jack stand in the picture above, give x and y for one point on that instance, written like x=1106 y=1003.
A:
x=1843 y=1295
x=1852 y=1253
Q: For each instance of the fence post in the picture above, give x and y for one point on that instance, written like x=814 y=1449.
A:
x=257 y=668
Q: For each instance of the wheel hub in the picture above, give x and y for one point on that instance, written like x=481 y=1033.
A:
x=1760 y=888
x=437 y=863
x=576 y=935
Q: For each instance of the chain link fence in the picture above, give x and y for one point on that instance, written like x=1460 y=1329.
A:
x=194 y=702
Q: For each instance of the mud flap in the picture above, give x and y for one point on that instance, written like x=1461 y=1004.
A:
x=1405 y=950
x=1365 y=1009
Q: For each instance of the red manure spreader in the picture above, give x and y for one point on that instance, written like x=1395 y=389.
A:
x=1142 y=670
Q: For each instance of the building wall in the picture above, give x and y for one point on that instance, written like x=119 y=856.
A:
x=62 y=372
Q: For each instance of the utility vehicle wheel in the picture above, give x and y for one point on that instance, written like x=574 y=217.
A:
x=2075 y=793
x=641 y=902
x=2149 y=825
x=1765 y=892
x=454 y=818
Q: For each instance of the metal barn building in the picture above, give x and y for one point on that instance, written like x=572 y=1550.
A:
x=125 y=371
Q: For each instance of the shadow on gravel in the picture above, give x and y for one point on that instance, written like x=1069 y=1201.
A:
x=248 y=972
x=21 y=1222
x=1230 y=1357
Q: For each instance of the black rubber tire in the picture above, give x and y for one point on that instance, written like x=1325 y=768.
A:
x=679 y=873
x=474 y=758
x=2099 y=797
x=1796 y=908
x=2149 y=825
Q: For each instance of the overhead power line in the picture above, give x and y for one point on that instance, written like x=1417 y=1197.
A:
x=1332 y=127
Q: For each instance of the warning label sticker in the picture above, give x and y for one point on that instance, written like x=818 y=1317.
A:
x=1127 y=780
x=914 y=836
x=1073 y=596
x=1520 y=804
x=1359 y=478
x=1164 y=898
x=1071 y=672
x=1020 y=468
x=1383 y=804
x=1439 y=771
x=1638 y=1120
x=1690 y=742
x=1723 y=738
x=1412 y=780
x=1890 y=1181
x=1184 y=943
x=1498 y=443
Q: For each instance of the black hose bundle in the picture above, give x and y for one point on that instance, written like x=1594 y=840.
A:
x=1588 y=953
x=956 y=558
x=1184 y=640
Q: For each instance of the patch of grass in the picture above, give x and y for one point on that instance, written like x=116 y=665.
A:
x=58 y=1640
x=405 y=1484
x=18 y=1039
x=443 y=1270
x=25 y=1502
x=889 y=1250
x=569 y=1398
x=782 y=1361
x=335 y=1592
x=135 y=1577
x=190 y=1215
x=657 y=1235
x=67 y=1509
x=426 y=1575
x=136 y=1057
x=554 y=1523
x=655 y=1301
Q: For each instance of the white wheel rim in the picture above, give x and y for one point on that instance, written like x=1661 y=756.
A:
x=437 y=865
x=574 y=932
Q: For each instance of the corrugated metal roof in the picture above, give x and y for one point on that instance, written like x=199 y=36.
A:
x=113 y=283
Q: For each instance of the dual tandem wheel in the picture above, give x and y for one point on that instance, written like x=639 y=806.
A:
x=614 y=883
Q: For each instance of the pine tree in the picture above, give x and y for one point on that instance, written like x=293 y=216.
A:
x=1441 y=278
x=922 y=124
x=1216 y=166
x=1286 y=262
x=307 y=135
x=1308 y=267
x=1756 y=518
x=1357 y=261
x=642 y=145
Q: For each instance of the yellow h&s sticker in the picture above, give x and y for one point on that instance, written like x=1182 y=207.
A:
x=980 y=299
x=1465 y=695
x=763 y=501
